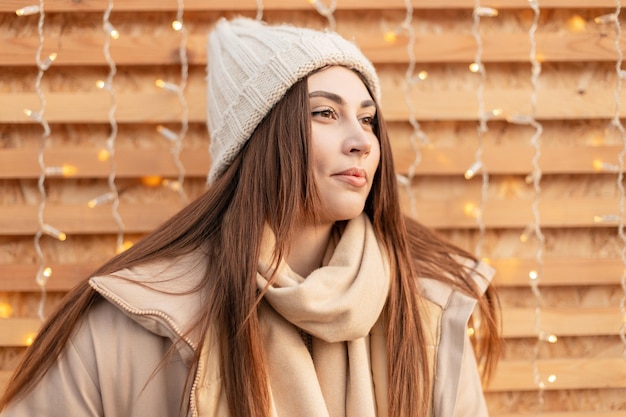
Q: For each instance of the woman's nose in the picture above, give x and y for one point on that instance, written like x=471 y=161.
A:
x=358 y=140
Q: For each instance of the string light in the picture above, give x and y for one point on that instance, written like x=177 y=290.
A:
x=418 y=137
x=534 y=178
x=38 y=116
x=478 y=67
x=259 y=10
x=176 y=138
x=327 y=11
x=28 y=10
x=616 y=123
x=113 y=127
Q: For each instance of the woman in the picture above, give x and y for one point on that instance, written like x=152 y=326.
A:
x=294 y=286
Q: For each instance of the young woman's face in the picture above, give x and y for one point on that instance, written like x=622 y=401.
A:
x=345 y=151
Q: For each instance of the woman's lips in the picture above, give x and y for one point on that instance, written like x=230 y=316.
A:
x=356 y=177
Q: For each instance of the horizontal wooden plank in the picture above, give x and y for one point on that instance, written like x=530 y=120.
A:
x=515 y=213
x=446 y=214
x=510 y=272
x=520 y=322
x=21 y=277
x=242 y=5
x=161 y=107
x=146 y=49
x=22 y=163
x=505 y=159
x=81 y=219
x=518 y=376
x=571 y=373
x=516 y=323
x=93 y=163
x=18 y=331
x=513 y=272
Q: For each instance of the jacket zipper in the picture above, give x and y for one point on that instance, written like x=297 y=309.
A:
x=121 y=304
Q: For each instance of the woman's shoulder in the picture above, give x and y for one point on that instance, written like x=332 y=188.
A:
x=162 y=296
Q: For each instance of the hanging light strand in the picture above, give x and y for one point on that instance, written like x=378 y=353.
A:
x=535 y=276
x=616 y=122
x=327 y=11
x=259 y=10
x=110 y=34
x=180 y=93
x=482 y=128
x=417 y=135
x=43 y=229
x=176 y=138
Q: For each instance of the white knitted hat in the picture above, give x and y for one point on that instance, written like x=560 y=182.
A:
x=251 y=65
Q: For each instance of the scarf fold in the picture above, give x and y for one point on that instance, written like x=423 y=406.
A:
x=338 y=304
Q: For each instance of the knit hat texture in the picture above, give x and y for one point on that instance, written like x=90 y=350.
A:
x=252 y=64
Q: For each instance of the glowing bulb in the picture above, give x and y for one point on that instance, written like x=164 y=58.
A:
x=124 y=246
x=103 y=155
x=526 y=233
x=48 y=61
x=474 y=67
x=552 y=338
x=30 y=338
x=167 y=133
x=606 y=18
x=471 y=210
x=598 y=165
x=151 y=181
x=101 y=84
x=552 y=378
x=6 y=310
x=576 y=23
x=390 y=36
x=28 y=10
x=422 y=75
x=486 y=11
x=471 y=171
x=177 y=25
x=533 y=275
x=105 y=198
x=167 y=86
x=604 y=218
x=64 y=170
x=172 y=185
x=36 y=116
x=113 y=33
x=54 y=232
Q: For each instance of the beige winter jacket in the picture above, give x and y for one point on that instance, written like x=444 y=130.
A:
x=113 y=364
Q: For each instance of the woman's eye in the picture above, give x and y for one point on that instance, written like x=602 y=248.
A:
x=325 y=113
x=368 y=121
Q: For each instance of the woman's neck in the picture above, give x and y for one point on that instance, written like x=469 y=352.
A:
x=307 y=249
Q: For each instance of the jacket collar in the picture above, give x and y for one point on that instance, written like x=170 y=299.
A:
x=159 y=296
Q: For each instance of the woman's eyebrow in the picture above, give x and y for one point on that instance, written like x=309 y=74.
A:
x=326 y=94
x=338 y=99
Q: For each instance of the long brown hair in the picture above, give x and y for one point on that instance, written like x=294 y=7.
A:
x=270 y=181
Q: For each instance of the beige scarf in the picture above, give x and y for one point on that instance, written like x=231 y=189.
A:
x=339 y=305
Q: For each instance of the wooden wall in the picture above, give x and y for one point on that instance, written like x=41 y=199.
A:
x=104 y=137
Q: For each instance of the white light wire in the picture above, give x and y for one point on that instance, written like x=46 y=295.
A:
x=111 y=139
x=481 y=129
x=417 y=136
x=41 y=278
x=180 y=92
x=259 y=10
x=620 y=161
x=327 y=11
x=536 y=276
